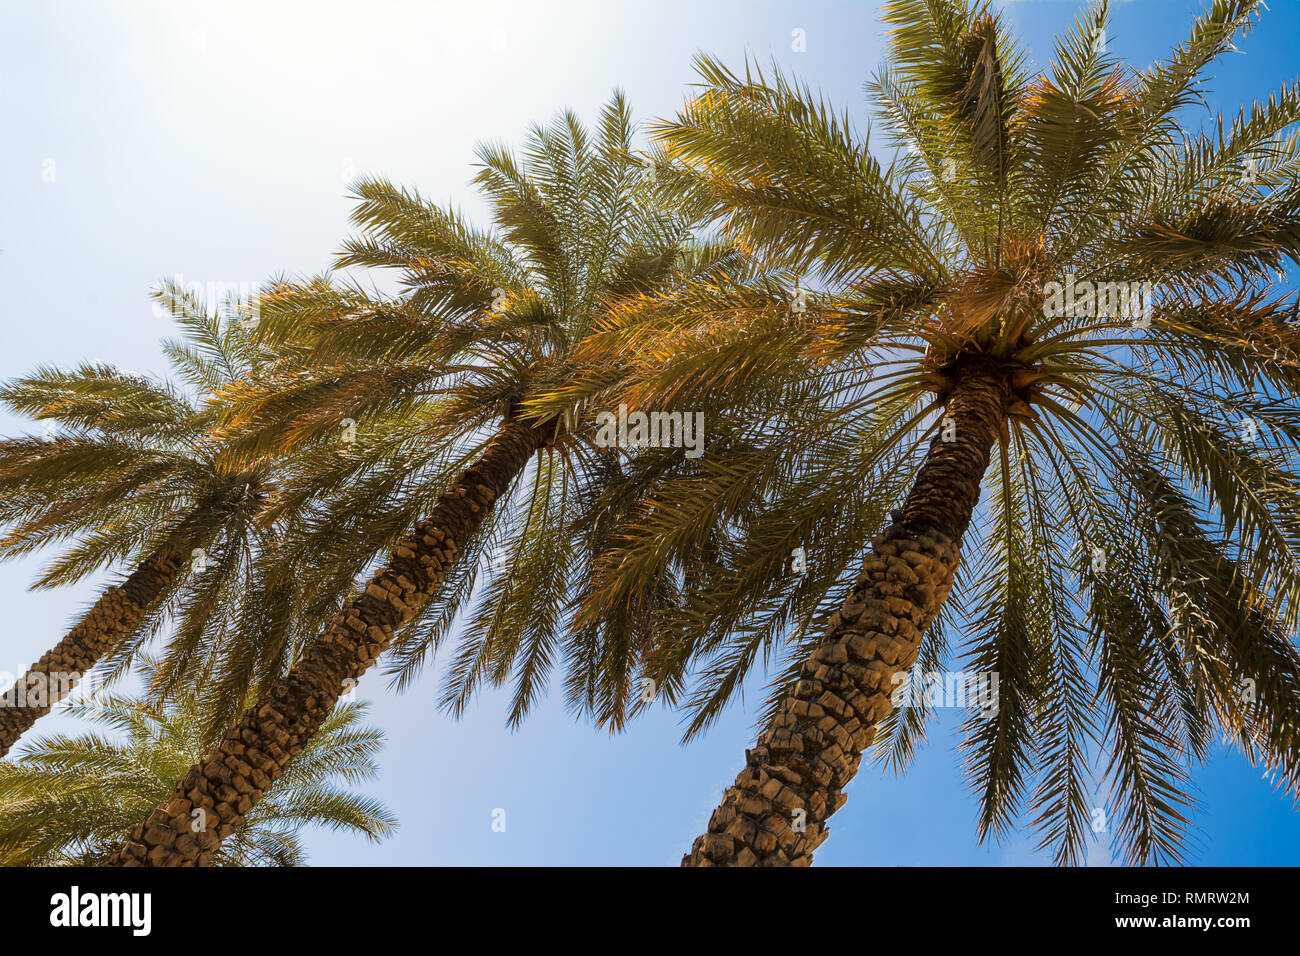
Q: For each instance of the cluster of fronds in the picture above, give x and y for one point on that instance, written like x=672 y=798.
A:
x=70 y=800
x=1166 y=438
x=817 y=304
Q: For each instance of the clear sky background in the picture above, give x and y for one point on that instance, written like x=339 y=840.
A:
x=147 y=139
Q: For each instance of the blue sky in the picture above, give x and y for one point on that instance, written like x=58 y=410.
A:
x=146 y=140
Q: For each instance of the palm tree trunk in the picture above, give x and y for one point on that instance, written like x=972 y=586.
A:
x=794 y=776
x=211 y=802
x=116 y=614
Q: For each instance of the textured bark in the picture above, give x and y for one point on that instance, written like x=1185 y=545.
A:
x=775 y=814
x=116 y=615
x=235 y=775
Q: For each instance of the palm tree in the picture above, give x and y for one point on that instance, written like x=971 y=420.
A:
x=1136 y=576
x=410 y=416
x=135 y=477
x=71 y=800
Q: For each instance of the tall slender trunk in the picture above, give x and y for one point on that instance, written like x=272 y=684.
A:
x=116 y=614
x=211 y=802
x=775 y=814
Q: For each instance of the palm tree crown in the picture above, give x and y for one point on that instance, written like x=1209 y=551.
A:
x=135 y=474
x=422 y=433
x=1053 y=283
x=487 y=329
x=70 y=800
